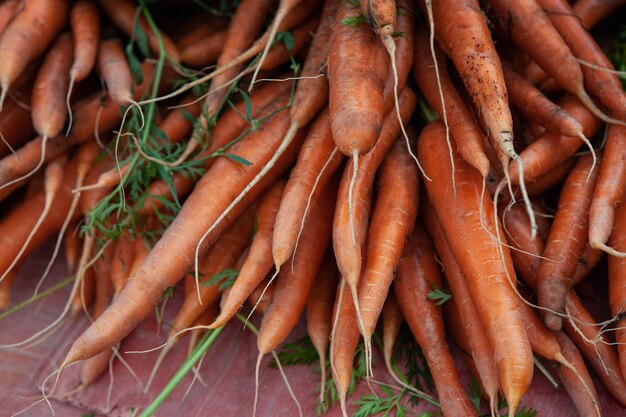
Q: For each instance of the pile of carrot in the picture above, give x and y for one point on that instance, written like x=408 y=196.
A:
x=352 y=159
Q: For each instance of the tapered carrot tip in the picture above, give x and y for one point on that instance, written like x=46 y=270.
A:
x=5 y=300
x=553 y=322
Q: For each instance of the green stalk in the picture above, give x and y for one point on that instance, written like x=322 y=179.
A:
x=206 y=342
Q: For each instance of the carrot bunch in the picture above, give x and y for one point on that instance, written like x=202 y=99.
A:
x=307 y=170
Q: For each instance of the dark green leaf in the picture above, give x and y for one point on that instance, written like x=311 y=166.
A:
x=288 y=40
x=142 y=40
x=134 y=64
x=300 y=352
x=226 y=278
x=354 y=21
x=439 y=295
x=238 y=159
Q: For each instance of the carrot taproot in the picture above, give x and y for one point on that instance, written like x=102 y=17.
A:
x=355 y=122
x=85 y=24
x=524 y=20
x=589 y=259
x=294 y=284
x=610 y=190
x=581 y=326
x=566 y=241
x=204 y=51
x=319 y=313
x=536 y=107
x=617 y=282
x=178 y=123
x=463 y=128
x=27 y=36
x=8 y=10
x=72 y=248
x=259 y=261
x=222 y=255
x=393 y=217
x=317 y=161
x=472 y=328
x=579 y=384
x=417 y=275
x=604 y=85
x=382 y=14
x=495 y=298
x=591 y=12
x=212 y=194
x=552 y=149
x=551 y=178
x=15 y=126
x=354 y=198
x=261 y=298
x=123 y=13
x=392 y=321
x=115 y=71
x=120 y=263
x=403 y=38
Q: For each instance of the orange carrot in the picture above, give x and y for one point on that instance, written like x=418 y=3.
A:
x=355 y=101
x=27 y=36
x=8 y=10
x=617 y=283
x=463 y=127
x=187 y=233
x=259 y=261
x=591 y=12
x=551 y=178
x=610 y=190
x=495 y=298
x=121 y=262
x=176 y=125
x=15 y=126
x=317 y=162
x=602 y=84
x=115 y=71
x=124 y=14
x=535 y=107
x=382 y=14
x=417 y=276
x=392 y=221
x=403 y=39
x=579 y=387
x=294 y=284
x=85 y=24
x=588 y=260
x=552 y=149
x=566 y=241
x=319 y=310
x=261 y=298
x=392 y=320
x=204 y=51
x=472 y=328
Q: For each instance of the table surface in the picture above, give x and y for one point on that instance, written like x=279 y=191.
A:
x=227 y=372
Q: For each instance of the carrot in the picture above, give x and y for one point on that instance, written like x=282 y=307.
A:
x=417 y=276
x=591 y=12
x=92 y=116
x=115 y=70
x=124 y=15
x=472 y=329
x=15 y=126
x=27 y=36
x=8 y=10
x=392 y=221
x=121 y=262
x=552 y=149
x=610 y=190
x=83 y=298
x=535 y=107
x=259 y=261
x=72 y=248
x=403 y=39
x=229 y=126
x=566 y=241
x=463 y=127
x=353 y=80
x=551 y=178
x=581 y=327
x=392 y=320
x=495 y=299
x=344 y=338
x=85 y=24
x=525 y=20
x=177 y=124
x=319 y=310
x=317 y=161
x=294 y=284
x=223 y=255
x=617 y=283
x=588 y=260
x=354 y=198
x=187 y=233
x=604 y=85
x=5 y=288
x=381 y=14
x=205 y=51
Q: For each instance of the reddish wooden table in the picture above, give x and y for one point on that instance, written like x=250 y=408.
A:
x=227 y=389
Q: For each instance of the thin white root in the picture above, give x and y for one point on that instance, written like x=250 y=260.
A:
x=593 y=153
x=280 y=15
x=257 y=371
x=44 y=141
x=322 y=356
x=527 y=202
x=355 y=170
x=600 y=68
x=289 y=136
x=611 y=251
x=70 y=115
x=157 y=364
x=591 y=106
x=291 y=393
x=7 y=144
x=262 y=295
x=545 y=372
x=416 y=392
